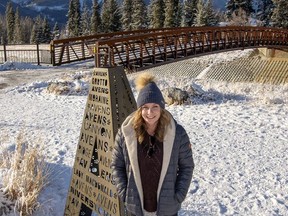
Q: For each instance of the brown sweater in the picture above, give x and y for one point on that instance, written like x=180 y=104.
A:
x=150 y=169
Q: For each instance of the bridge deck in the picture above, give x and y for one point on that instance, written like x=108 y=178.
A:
x=136 y=49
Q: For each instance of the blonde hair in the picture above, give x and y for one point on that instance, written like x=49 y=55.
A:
x=139 y=125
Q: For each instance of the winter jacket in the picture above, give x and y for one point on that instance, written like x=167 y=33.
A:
x=176 y=173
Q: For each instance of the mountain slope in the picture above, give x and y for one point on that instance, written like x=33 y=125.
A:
x=54 y=10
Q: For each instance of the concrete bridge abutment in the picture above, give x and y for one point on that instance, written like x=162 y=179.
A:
x=274 y=53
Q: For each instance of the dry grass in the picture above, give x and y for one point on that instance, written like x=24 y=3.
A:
x=26 y=175
x=69 y=84
x=58 y=88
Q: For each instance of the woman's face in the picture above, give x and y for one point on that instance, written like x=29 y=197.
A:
x=151 y=113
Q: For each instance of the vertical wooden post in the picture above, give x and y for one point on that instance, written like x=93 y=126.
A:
x=5 y=54
x=96 y=55
x=38 y=54
x=52 y=53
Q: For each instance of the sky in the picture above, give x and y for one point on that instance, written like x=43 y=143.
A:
x=238 y=132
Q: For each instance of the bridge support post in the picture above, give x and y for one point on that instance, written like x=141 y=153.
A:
x=274 y=53
x=267 y=52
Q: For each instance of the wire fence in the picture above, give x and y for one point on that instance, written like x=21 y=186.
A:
x=34 y=54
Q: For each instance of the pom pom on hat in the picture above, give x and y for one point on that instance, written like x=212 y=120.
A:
x=148 y=91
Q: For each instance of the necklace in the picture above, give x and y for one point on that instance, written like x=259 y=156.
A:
x=151 y=149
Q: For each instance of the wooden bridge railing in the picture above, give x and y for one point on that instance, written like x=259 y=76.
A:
x=150 y=48
x=136 y=49
x=80 y=48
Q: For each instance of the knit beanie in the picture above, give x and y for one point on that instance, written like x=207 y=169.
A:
x=148 y=91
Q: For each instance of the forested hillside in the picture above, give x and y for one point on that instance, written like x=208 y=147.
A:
x=40 y=21
x=56 y=10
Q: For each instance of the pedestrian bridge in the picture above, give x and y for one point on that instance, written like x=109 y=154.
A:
x=149 y=47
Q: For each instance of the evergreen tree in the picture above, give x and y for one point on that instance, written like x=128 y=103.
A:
x=239 y=18
x=230 y=8
x=17 y=29
x=95 y=18
x=85 y=19
x=211 y=17
x=10 y=22
x=116 y=16
x=156 y=14
x=220 y=16
x=33 y=34
x=63 y=33
x=189 y=12
x=264 y=11
x=178 y=14
x=247 y=6
x=111 y=17
x=105 y=16
x=127 y=12
x=238 y=7
x=171 y=13
x=56 y=32
x=70 y=24
x=46 y=31
x=280 y=14
x=22 y=29
x=139 y=15
x=77 y=18
x=1 y=33
x=37 y=31
x=74 y=18
x=27 y=25
x=201 y=14
x=70 y=21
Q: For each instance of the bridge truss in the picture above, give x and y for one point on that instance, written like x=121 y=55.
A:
x=136 y=49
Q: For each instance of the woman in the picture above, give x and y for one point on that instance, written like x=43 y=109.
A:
x=152 y=160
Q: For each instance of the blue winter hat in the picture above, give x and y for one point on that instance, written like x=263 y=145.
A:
x=150 y=93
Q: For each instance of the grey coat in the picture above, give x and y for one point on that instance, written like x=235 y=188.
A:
x=176 y=173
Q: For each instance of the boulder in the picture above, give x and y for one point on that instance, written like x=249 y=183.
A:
x=174 y=95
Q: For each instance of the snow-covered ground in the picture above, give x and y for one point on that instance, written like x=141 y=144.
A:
x=239 y=136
